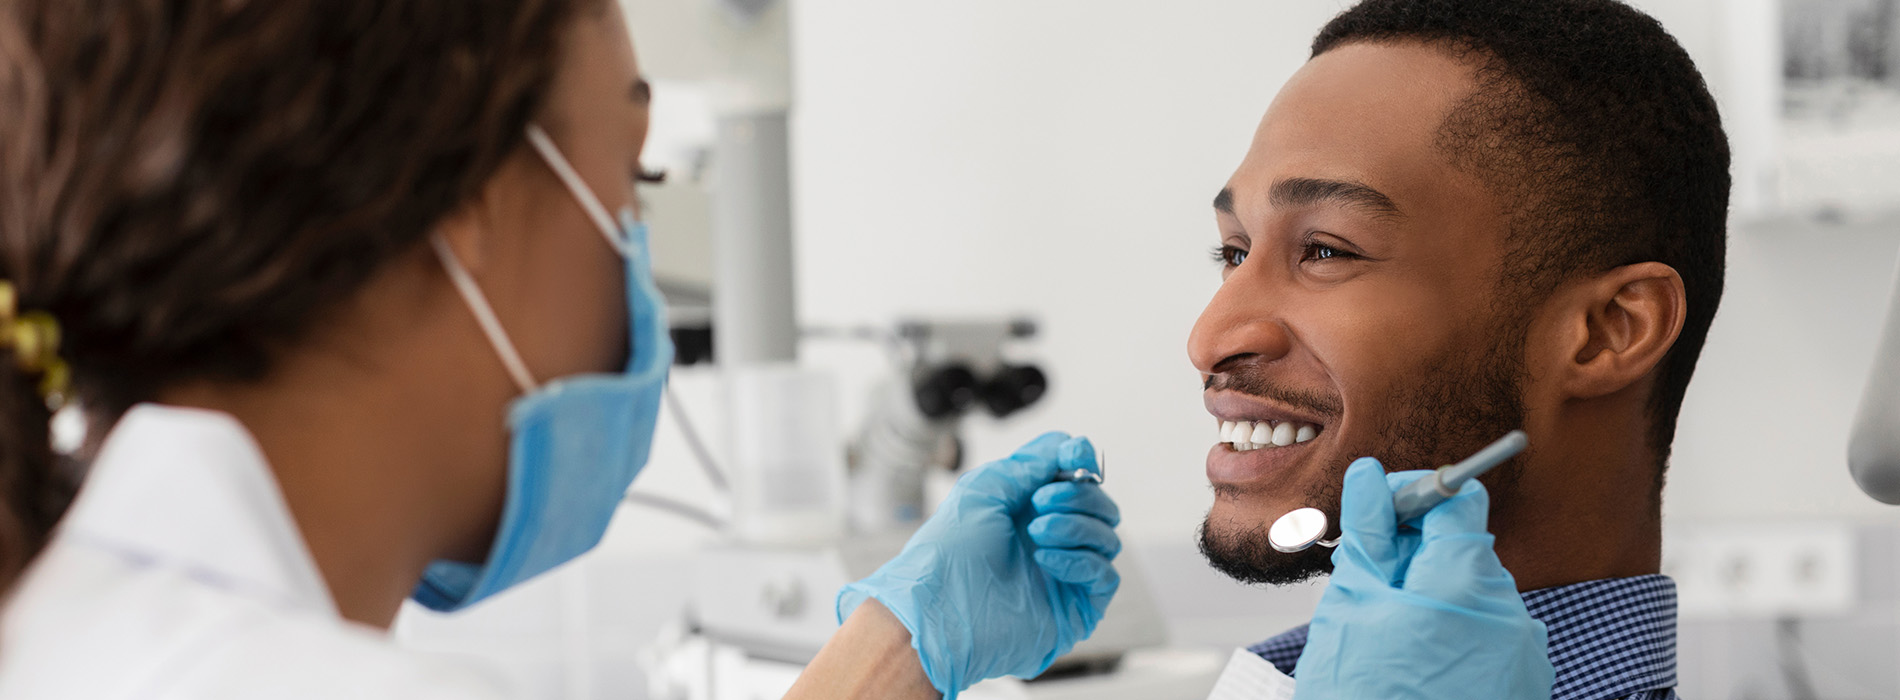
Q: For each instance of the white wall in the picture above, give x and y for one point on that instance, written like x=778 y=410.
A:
x=1764 y=430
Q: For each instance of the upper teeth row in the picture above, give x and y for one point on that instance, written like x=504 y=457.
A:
x=1249 y=435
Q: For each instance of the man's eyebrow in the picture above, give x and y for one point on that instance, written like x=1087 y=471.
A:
x=1224 y=202
x=642 y=92
x=1304 y=191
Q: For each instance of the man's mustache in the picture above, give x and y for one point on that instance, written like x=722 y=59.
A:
x=1252 y=384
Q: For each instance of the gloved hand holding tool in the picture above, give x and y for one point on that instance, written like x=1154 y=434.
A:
x=1421 y=610
x=1012 y=570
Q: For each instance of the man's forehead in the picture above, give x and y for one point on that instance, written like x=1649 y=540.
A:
x=1362 y=113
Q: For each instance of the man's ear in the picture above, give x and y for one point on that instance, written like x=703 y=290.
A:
x=1619 y=325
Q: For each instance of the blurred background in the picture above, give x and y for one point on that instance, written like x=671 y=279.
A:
x=966 y=203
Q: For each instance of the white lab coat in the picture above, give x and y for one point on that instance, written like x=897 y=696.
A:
x=179 y=573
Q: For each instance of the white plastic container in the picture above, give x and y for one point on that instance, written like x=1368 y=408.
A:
x=788 y=476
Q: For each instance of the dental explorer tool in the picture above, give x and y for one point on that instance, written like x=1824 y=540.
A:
x=1303 y=528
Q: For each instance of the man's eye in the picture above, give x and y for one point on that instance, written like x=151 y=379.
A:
x=1229 y=256
x=1321 y=251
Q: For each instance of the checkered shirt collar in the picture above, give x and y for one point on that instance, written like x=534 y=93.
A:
x=1609 y=638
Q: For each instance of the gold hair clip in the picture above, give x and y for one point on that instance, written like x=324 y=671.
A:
x=9 y=302
x=34 y=339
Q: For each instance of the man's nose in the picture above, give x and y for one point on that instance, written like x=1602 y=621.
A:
x=1242 y=320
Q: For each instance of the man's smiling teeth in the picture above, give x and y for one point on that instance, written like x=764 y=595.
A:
x=1254 y=435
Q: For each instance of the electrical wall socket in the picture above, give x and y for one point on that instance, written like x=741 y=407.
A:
x=1761 y=570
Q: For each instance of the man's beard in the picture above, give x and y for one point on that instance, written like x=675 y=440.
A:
x=1467 y=401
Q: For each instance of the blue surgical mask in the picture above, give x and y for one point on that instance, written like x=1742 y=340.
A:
x=576 y=442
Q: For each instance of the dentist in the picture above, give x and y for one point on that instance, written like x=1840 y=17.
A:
x=355 y=298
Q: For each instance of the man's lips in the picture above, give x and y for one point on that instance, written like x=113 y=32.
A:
x=1250 y=423
x=1258 y=438
x=1235 y=407
x=1230 y=466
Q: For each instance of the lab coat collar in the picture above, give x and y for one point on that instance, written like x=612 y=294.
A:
x=190 y=490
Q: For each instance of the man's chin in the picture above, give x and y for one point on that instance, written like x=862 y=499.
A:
x=1245 y=554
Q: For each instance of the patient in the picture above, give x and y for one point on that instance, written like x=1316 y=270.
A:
x=1462 y=217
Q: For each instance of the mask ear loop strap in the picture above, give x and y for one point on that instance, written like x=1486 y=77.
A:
x=582 y=193
x=484 y=314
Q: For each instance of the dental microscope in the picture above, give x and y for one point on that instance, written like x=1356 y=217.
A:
x=947 y=370
x=774 y=599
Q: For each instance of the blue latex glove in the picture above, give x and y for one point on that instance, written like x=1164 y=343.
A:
x=1011 y=571
x=1425 y=613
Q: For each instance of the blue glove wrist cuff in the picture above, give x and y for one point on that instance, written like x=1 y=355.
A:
x=854 y=595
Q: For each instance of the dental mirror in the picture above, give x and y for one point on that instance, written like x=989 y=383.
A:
x=1299 y=529
x=1304 y=527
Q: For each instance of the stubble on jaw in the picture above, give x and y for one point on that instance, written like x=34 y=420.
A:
x=1472 y=400
x=1243 y=552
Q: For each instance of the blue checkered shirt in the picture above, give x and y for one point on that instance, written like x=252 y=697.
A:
x=1610 y=639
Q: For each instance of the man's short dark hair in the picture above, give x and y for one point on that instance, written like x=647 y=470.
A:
x=1600 y=138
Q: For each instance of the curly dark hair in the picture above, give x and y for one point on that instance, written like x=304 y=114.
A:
x=1597 y=132
x=188 y=185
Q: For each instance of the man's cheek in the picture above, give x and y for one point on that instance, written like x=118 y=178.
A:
x=1376 y=330
x=1374 y=380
